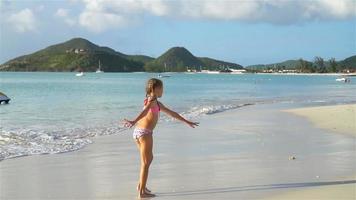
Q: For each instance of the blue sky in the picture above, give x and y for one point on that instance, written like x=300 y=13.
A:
x=245 y=32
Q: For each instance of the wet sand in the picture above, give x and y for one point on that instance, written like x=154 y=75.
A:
x=339 y=119
x=238 y=154
x=334 y=191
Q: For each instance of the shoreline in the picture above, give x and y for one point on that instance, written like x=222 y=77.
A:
x=221 y=159
x=313 y=74
x=185 y=72
x=336 y=118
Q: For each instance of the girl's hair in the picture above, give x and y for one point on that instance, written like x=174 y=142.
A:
x=152 y=84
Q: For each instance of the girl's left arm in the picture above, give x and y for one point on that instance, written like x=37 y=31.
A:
x=129 y=124
x=177 y=116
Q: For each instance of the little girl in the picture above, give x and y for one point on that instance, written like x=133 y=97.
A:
x=145 y=123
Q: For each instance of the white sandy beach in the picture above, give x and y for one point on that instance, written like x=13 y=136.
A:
x=310 y=74
x=340 y=118
x=238 y=154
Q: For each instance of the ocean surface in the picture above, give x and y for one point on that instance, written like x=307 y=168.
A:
x=59 y=112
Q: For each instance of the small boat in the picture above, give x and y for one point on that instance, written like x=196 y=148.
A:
x=343 y=79
x=79 y=74
x=237 y=71
x=213 y=72
x=99 y=69
x=4 y=98
x=226 y=70
x=163 y=76
x=209 y=72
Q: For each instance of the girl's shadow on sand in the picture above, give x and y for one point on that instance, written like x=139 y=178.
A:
x=252 y=187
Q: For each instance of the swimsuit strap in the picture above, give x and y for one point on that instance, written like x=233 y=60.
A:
x=154 y=107
x=159 y=107
x=146 y=100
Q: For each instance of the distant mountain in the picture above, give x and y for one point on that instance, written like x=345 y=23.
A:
x=77 y=53
x=81 y=54
x=175 y=59
x=288 y=64
x=349 y=62
x=179 y=59
x=213 y=64
x=139 y=58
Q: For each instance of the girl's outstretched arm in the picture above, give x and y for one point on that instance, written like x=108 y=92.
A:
x=177 y=116
x=130 y=124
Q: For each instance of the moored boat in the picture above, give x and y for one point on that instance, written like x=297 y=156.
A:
x=4 y=98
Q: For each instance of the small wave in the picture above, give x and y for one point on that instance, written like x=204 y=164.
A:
x=201 y=110
x=213 y=109
x=24 y=142
x=318 y=101
x=197 y=111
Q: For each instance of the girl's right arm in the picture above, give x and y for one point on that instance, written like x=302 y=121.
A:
x=128 y=123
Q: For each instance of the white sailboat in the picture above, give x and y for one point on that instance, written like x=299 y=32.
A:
x=99 y=69
x=79 y=74
x=163 y=76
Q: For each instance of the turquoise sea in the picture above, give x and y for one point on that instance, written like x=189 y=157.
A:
x=59 y=112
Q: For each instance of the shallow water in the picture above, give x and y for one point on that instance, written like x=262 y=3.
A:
x=59 y=112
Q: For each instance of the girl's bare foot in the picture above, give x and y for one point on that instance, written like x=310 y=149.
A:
x=146 y=189
x=146 y=195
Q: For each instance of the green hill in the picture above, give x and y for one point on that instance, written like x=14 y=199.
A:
x=175 y=59
x=139 y=58
x=212 y=64
x=348 y=63
x=288 y=64
x=81 y=54
x=179 y=59
x=77 y=53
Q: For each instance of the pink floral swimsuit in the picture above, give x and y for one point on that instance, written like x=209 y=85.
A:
x=138 y=132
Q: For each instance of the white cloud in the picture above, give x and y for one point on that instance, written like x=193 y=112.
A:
x=22 y=21
x=63 y=13
x=268 y=11
x=329 y=9
x=100 y=21
x=100 y=15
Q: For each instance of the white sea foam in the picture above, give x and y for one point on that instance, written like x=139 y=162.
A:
x=204 y=110
x=211 y=109
x=23 y=142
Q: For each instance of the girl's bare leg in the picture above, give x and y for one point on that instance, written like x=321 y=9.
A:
x=138 y=185
x=146 y=145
